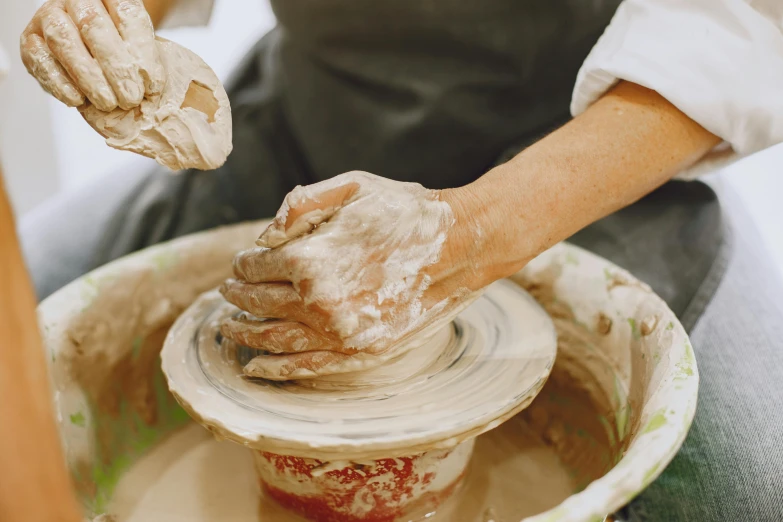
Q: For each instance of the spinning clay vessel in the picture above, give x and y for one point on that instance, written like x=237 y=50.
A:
x=613 y=412
x=371 y=445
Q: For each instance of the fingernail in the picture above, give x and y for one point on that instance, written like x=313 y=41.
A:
x=71 y=91
x=225 y=331
x=108 y=102
x=262 y=239
x=134 y=93
x=154 y=79
x=225 y=287
x=73 y=95
x=273 y=236
x=237 y=266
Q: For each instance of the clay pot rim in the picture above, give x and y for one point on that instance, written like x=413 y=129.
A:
x=212 y=412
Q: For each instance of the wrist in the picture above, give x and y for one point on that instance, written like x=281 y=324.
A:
x=481 y=233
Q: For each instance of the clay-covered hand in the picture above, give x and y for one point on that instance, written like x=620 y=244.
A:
x=352 y=272
x=103 y=51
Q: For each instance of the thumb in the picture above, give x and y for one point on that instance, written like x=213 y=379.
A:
x=305 y=208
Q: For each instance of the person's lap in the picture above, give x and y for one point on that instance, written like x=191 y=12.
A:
x=731 y=465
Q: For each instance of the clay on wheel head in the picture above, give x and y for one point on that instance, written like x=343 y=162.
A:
x=187 y=126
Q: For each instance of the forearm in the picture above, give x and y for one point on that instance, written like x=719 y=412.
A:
x=622 y=148
x=34 y=485
x=158 y=9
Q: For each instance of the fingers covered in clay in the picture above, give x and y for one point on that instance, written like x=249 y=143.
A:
x=134 y=25
x=304 y=208
x=276 y=336
x=362 y=262
x=64 y=40
x=305 y=365
x=268 y=300
x=43 y=65
x=102 y=38
x=264 y=265
x=77 y=50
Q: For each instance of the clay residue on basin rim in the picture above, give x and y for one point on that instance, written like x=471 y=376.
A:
x=619 y=345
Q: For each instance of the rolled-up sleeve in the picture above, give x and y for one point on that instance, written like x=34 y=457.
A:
x=189 y=13
x=718 y=61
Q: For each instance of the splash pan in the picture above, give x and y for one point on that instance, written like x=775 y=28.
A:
x=613 y=412
x=375 y=445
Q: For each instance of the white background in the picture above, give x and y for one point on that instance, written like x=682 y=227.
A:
x=46 y=148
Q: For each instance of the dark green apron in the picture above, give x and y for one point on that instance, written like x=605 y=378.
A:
x=432 y=91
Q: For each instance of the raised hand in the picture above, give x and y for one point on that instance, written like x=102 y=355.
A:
x=103 y=52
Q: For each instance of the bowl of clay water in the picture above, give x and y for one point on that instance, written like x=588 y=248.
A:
x=613 y=412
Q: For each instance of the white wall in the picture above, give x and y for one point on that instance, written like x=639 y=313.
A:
x=27 y=146
x=758 y=180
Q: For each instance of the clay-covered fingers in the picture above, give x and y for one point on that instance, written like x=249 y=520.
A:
x=107 y=47
x=135 y=27
x=64 y=40
x=44 y=67
x=305 y=208
x=278 y=336
x=267 y=300
x=264 y=265
x=305 y=365
x=102 y=51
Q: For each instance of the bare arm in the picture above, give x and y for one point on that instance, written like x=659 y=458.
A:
x=623 y=147
x=34 y=483
x=627 y=144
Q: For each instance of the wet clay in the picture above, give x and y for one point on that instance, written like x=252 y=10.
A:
x=187 y=125
x=496 y=357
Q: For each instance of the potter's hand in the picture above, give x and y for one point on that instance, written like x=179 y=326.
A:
x=352 y=272
x=100 y=50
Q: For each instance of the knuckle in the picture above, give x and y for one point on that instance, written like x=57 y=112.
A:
x=268 y=335
x=238 y=261
x=295 y=196
x=86 y=16
x=130 y=8
x=355 y=176
x=26 y=49
x=47 y=9
x=55 y=31
x=30 y=29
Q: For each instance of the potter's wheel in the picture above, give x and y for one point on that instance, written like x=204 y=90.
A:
x=485 y=366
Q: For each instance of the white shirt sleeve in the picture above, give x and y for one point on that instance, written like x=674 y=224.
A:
x=718 y=61
x=189 y=13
